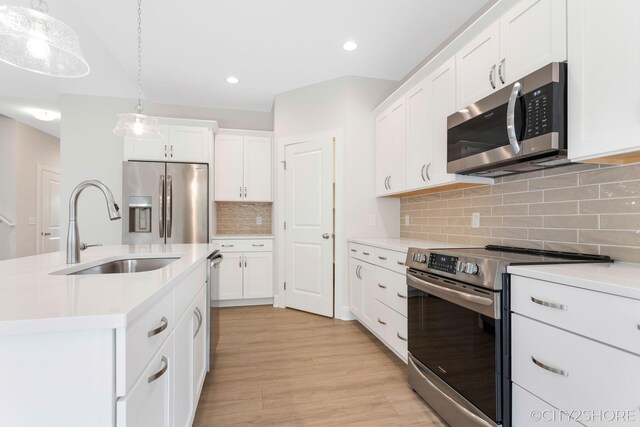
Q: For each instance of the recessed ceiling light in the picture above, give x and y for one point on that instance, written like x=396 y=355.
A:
x=44 y=115
x=232 y=80
x=350 y=46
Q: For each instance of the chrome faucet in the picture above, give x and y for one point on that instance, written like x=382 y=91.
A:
x=73 y=237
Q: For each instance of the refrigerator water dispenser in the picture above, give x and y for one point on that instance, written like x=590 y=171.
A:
x=139 y=214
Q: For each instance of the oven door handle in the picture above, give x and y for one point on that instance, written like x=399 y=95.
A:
x=475 y=299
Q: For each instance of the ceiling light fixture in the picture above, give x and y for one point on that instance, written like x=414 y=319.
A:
x=232 y=80
x=34 y=41
x=350 y=46
x=44 y=115
x=137 y=125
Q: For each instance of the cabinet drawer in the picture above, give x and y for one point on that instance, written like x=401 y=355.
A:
x=141 y=340
x=391 y=326
x=187 y=290
x=611 y=319
x=390 y=288
x=361 y=252
x=527 y=409
x=572 y=372
x=392 y=260
x=243 y=245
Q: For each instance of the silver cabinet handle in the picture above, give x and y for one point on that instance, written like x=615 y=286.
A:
x=400 y=262
x=169 y=205
x=401 y=296
x=366 y=253
x=549 y=368
x=165 y=366
x=240 y=195
x=199 y=316
x=163 y=325
x=549 y=304
x=389 y=181
x=358 y=272
x=492 y=72
x=400 y=336
x=171 y=151
x=382 y=258
x=385 y=182
x=240 y=262
x=257 y=246
x=422 y=172
x=381 y=322
x=353 y=250
x=426 y=172
x=161 y=207
x=228 y=246
x=245 y=262
x=380 y=285
x=511 y=117
x=501 y=72
x=326 y=235
x=165 y=150
x=245 y=192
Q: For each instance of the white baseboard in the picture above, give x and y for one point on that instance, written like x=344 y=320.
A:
x=343 y=313
x=241 y=302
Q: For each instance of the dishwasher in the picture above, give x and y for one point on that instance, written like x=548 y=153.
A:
x=213 y=325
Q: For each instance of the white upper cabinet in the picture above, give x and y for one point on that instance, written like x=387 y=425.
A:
x=477 y=67
x=604 y=81
x=391 y=150
x=419 y=146
x=442 y=101
x=189 y=144
x=383 y=139
x=242 y=169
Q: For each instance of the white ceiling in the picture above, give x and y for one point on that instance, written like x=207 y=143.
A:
x=274 y=46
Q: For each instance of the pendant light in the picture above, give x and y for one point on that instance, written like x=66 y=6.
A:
x=137 y=125
x=34 y=41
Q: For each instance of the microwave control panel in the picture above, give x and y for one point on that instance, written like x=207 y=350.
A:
x=539 y=111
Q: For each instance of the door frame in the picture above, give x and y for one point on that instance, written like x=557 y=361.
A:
x=42 y=168
x=340 y=301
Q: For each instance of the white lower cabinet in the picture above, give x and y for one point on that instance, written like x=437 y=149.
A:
x=527 y=409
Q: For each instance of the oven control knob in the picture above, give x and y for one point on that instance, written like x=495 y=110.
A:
x=423 y=258
x=460 y=266
x=471 y=268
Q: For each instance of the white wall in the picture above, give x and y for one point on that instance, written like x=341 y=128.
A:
x=8 y=189
x=90 y=150
x=342 y=106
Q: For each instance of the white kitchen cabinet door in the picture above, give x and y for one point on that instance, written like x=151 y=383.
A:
x=147 y=150
x=150 y=400
x=200 y=318
x=477 y=67
x=257 y=169
x=368 y=298
x=230 y=284
x=189 y=144
x=419 y=144
x=258 y=275
x=442 y=89
x=604 y=83
x=396 y=152
x=532 y=34
x=355 y=288
x=228 y=170
x=383 y=140
x=183 y=407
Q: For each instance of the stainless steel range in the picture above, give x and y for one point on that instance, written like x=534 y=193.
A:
x=459 y=332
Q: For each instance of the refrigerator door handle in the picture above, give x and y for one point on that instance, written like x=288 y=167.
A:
x=161 y=207
x=169 y=206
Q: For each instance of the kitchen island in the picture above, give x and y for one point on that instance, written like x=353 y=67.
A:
x=106 y=349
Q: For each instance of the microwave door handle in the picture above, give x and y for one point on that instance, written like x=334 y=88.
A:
x=511 y=118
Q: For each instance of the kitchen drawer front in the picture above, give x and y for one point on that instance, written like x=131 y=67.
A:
x=391 y=326
x=242 y=245
x=187 y=290
x=361 y=252
x=528 y=410
x=393 y=260
x=588 y=375
x=391 y=289
x=139 y=347
x=611 y=319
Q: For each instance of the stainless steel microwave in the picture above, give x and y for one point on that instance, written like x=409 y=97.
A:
x=520 y=128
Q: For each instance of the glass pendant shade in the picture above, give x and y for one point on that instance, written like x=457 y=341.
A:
x=137 y=126
x=37 y=42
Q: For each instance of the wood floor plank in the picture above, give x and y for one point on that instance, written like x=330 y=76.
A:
x=290 y=368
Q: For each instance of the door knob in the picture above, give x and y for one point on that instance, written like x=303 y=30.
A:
x=326 y=235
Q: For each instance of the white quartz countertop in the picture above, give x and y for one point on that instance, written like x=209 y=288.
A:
x=33 y=300
x=403 y=245
x=619 y=278
x=241 y=236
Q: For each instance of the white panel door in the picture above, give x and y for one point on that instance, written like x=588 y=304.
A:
x=383 y=141
x=309 y=218
x=442 y=99
x=532 y=34
x=200 y=319
x=257 y=169
x=148 y=150
x=183 y=406
x=396 y=153
x=355 y=287
x=419 y=144
x=230 y=283
x=189 y=144
x=228 y=168
x=368 y=300
x=258 y=275
x=477 y=67
x=49 y=211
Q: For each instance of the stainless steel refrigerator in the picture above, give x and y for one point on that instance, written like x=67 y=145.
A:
x=165 y=203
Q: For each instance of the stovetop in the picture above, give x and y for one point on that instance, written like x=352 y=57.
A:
x=484 y=267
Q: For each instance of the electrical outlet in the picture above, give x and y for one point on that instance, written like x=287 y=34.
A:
x=475 y=220
x=407 y=220
x=259 y=220
x=372 y=220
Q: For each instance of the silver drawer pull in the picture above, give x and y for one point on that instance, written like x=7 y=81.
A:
x=381 y=322
x=549 y=368
x=639 y=326
x=400 y=336
x=198 y=314
x=163 y=325
x=353 y=250
x=257 y=246
x=380 y=285
x=382 y=258
x=549 y=304
x=401 y=296
x=400 y=262
x=366 y=253
x=165 y=366
x=228 y=246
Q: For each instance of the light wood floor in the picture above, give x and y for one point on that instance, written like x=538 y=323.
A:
x=285 y=367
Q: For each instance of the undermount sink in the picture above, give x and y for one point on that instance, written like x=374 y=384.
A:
x=129 y=265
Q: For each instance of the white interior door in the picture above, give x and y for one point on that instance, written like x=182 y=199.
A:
x=49 y=211
x=309 y=219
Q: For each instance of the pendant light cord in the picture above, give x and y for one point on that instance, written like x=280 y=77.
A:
x=139 y=106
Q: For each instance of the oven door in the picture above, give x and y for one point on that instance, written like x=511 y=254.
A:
x=455 y=339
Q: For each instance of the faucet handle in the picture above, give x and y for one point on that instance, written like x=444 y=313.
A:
x=84 y=246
